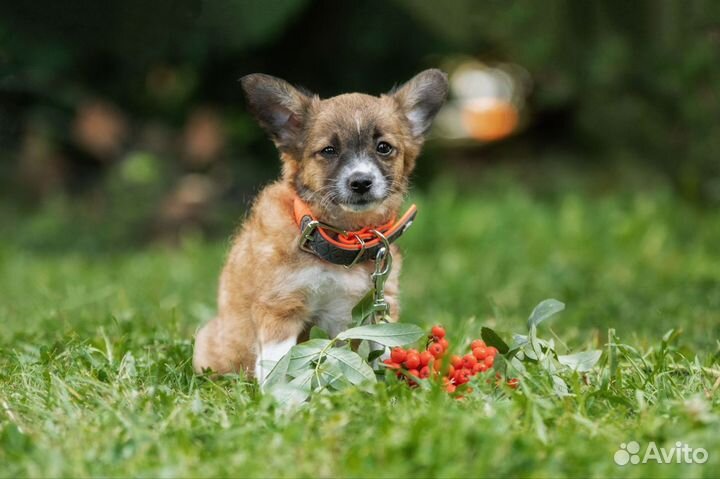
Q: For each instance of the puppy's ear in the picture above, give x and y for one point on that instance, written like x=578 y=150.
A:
x=279 y=107
x=421 y=98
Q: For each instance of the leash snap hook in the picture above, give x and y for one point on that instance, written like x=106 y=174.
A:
x=383 y=266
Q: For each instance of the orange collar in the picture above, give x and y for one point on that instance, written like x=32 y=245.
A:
x=346 y=247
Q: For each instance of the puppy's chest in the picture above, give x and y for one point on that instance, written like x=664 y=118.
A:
x=331 y=293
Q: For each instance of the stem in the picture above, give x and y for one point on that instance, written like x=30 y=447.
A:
x=322 y=354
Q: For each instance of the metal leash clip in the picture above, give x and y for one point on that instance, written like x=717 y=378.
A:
x=383 y=266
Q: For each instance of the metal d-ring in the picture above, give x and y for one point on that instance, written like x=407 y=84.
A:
x=360 y=253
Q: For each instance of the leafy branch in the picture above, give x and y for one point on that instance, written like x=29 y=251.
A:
x=331 y=364
x=529 y=349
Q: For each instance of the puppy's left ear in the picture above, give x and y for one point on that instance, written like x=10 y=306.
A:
x=421 y=98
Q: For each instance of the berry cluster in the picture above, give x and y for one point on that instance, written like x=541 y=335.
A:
x=420 y=364
x=411 y=364
x=463 y=368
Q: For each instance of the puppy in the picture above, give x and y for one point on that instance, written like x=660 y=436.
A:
x=346 y=163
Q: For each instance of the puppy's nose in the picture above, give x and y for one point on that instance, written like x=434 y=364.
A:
x=360 y=183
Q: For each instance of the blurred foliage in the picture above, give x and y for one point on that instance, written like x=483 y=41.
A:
x=634 y=79
x=130 y=111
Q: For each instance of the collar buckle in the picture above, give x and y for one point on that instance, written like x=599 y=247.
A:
x=306 y=236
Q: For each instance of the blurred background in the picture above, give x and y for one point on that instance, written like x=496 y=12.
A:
x=577 y=158
x=122 y=122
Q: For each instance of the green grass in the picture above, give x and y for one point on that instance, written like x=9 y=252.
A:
x=95 y=349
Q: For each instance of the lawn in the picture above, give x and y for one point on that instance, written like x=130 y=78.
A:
x=95 y=349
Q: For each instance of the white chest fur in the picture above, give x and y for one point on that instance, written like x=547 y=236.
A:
x=331 y=293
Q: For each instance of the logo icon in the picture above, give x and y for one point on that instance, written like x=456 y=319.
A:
x=629 y=453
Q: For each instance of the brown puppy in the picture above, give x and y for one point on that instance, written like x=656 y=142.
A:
x=347 y=160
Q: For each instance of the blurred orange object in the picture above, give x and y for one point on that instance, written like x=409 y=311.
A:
x=489 y=119
x=100 y=128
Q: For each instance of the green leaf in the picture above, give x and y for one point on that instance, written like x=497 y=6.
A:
x=519 y=340
x=364 y=350
x=303 y=381
x=549 y=364
x=287 y=394
x=518 y=366
x=375 y=353
x=330 y=375
x=294 y=392
x=363 y=309
x=544 y=310
x=352 y=366
x=560 y=387
x=318 y=333
x=278 y=373
x=304 y=353
x=582 y=362
x=491 y=338
x=387 y=334
x=535 y=345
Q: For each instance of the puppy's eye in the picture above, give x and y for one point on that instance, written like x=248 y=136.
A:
x=384 y=148
x=328 y=151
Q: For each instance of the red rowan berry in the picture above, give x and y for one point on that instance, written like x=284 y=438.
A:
x=477 y=343
x=398 y=355
x=456 y=361
x=438 y=331
x=436 y=350
x=460 y=377
x=489 y=360
x=469 y=361
x=424 y=372
x=480 y=352
x=492 y=350
x=414 y=372
x=444 y=343
x=425 y=358
x=412 y=361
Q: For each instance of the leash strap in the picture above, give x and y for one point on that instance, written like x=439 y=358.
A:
x=316 y=237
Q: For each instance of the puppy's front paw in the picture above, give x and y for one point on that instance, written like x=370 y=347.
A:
x=268 y=355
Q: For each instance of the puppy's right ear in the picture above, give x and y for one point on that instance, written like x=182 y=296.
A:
x=279 y=107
